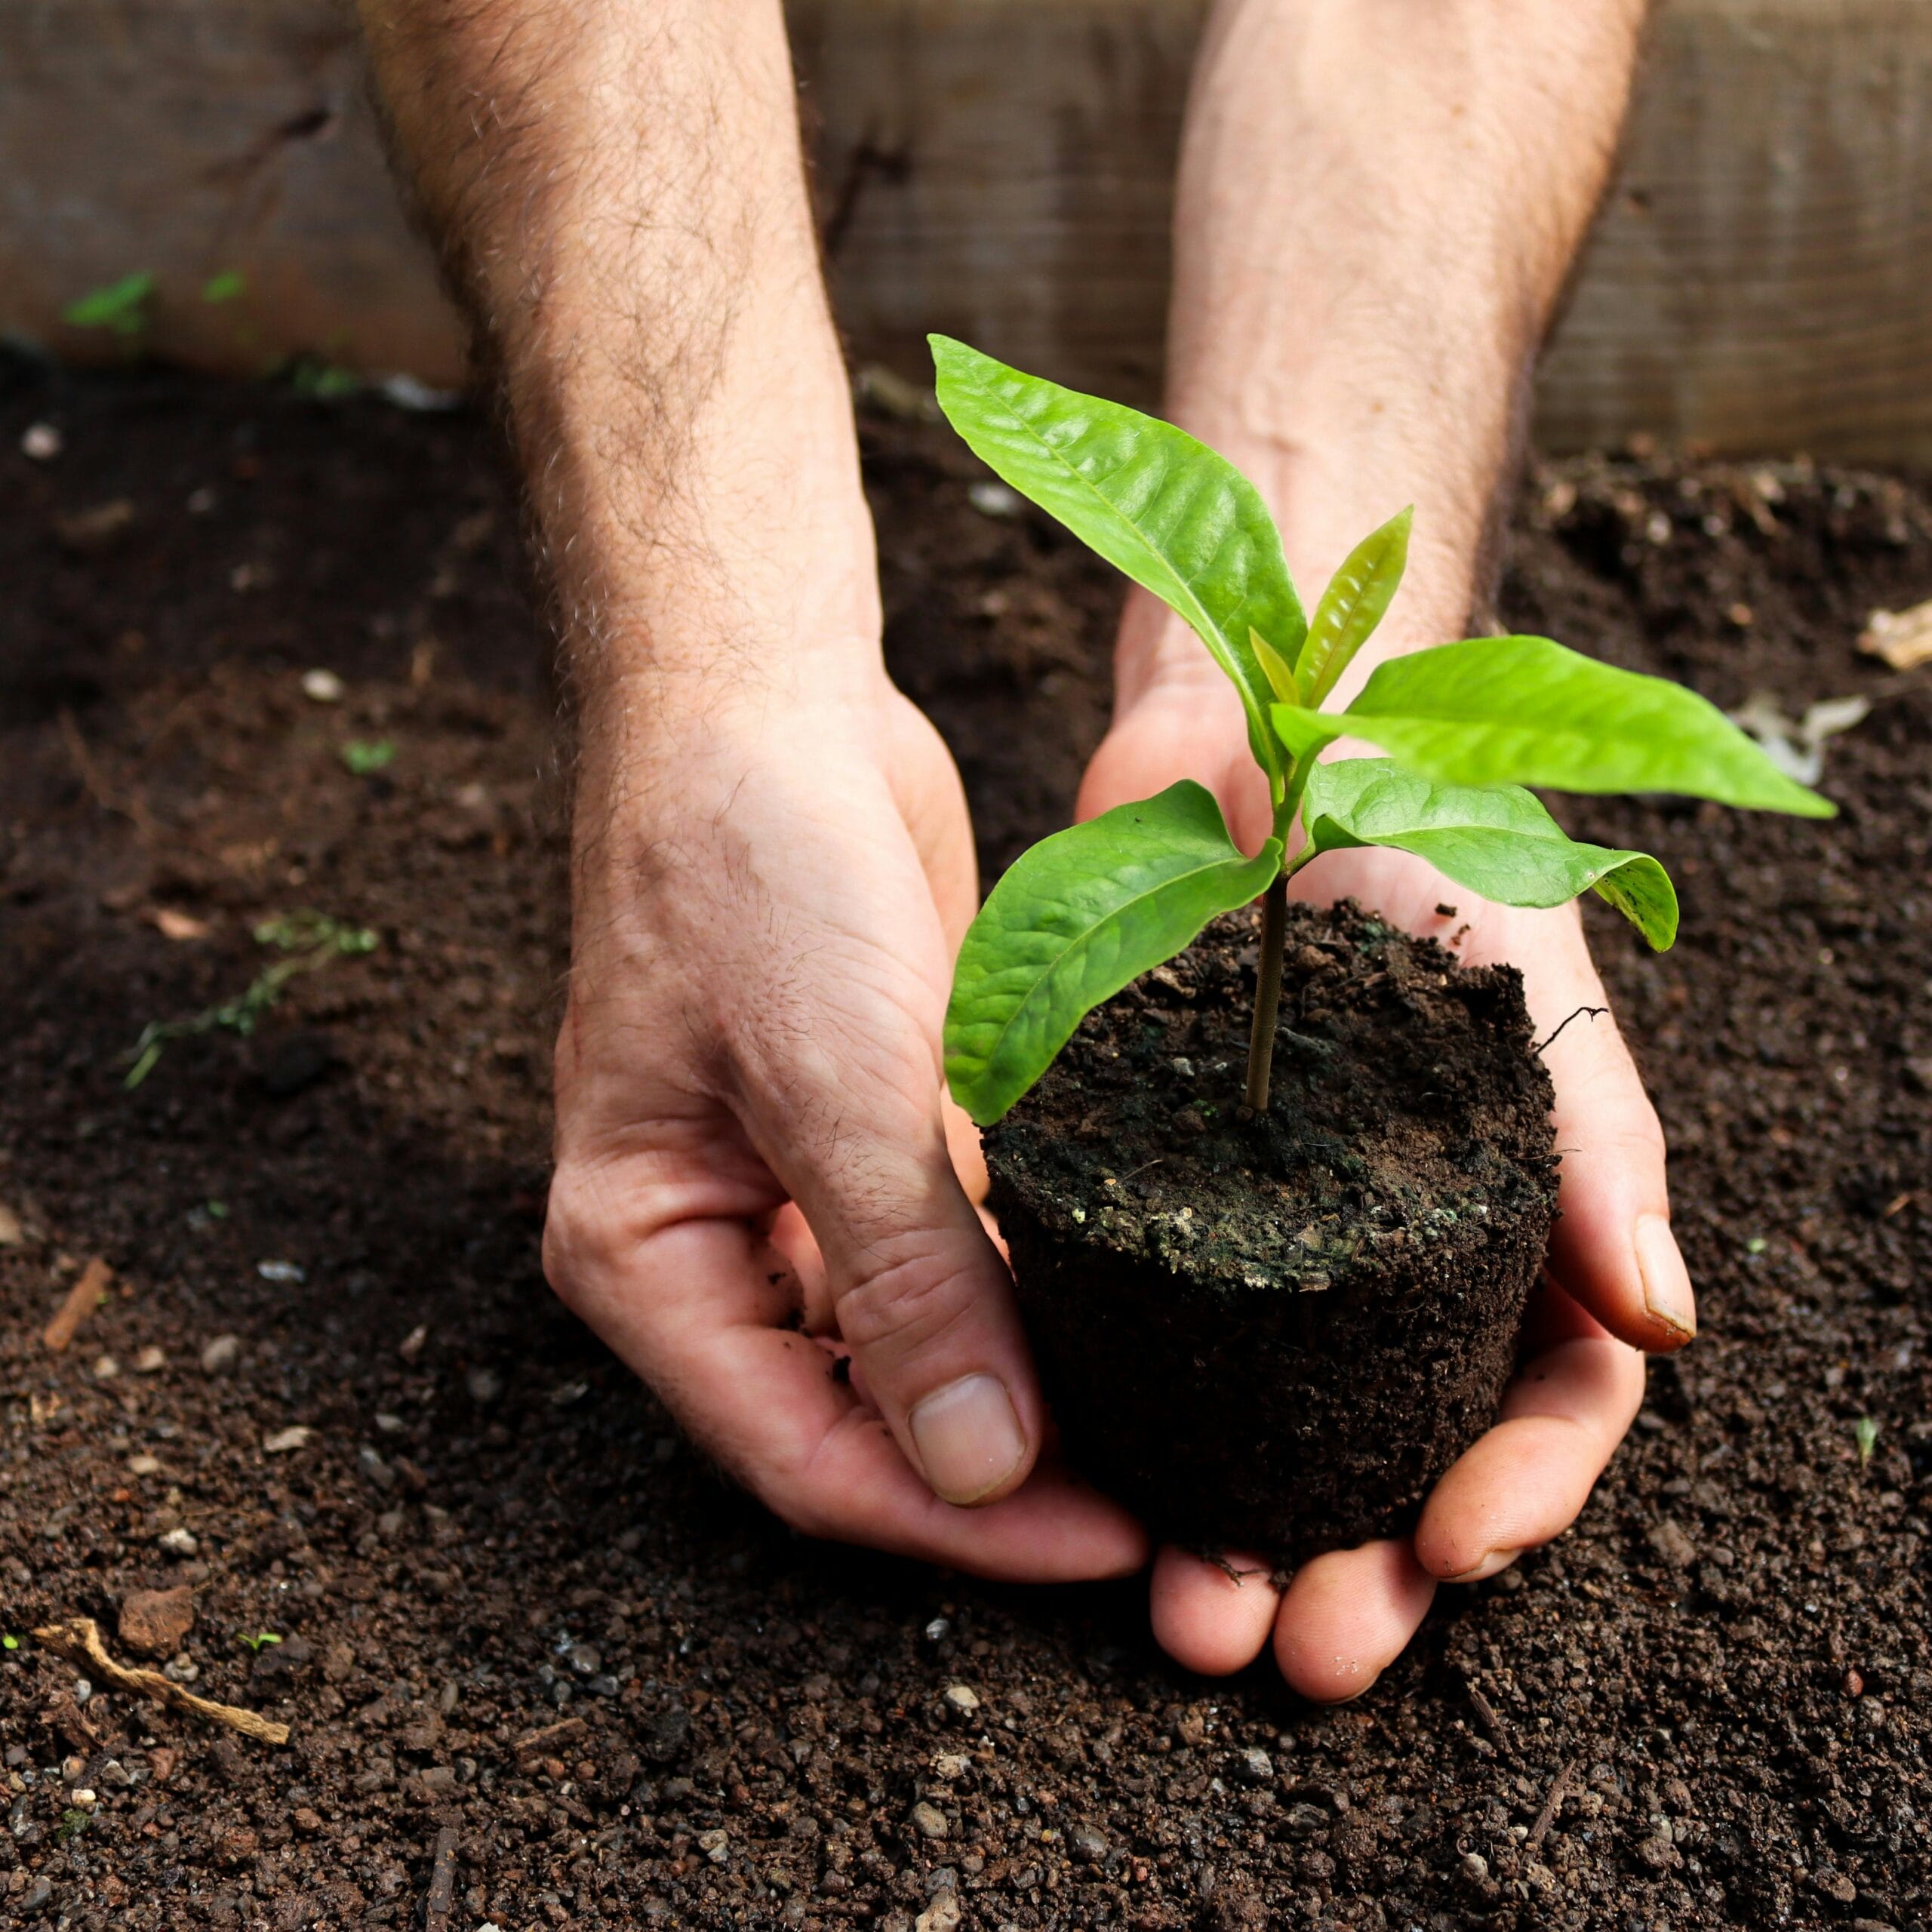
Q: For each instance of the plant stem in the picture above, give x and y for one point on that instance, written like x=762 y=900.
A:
x=1267 y=991
x=1274 y=941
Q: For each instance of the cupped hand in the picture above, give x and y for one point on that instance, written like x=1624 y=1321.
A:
x=752 y=1168
x=1615 y=1284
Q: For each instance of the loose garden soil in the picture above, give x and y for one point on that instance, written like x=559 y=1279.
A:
x=541 y=1667
x=1270 y=1334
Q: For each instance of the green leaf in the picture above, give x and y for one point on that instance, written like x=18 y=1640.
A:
x=1523 y=711
x=230 y=285
x=1279 y=673
x=1180 y=521
x=121 y=306
x=365 y=757
x=1496 y=840
x=1073 y=921
x=1352 y=605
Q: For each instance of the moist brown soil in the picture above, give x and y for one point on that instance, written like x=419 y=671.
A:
x=1707 y=1706
x=1270 y=1335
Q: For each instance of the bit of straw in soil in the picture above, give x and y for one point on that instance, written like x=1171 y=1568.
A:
x=79 y=1640
x=1559 y=1791
x=83 y=1298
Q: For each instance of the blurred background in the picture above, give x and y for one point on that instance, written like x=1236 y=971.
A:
x=209 y=172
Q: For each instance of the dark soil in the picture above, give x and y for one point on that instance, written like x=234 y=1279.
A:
x=1272 y=1335
x=523 y=1623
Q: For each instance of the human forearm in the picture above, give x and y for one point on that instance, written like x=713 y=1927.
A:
x=620 y=195
x=1378 y=206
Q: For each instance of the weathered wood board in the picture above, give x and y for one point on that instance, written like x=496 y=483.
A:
x=1000 y=169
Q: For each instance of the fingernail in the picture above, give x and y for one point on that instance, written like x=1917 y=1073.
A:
x=1666 y=1281
x=1493 y=1562
x=969 y=1438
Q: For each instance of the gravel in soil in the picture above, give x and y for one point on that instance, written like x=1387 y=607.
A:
x=1346 y=1272
x=541 y=1667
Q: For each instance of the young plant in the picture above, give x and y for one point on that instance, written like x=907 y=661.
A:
x=1466 y=726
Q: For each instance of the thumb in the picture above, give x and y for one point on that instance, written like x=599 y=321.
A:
x=926 y=1304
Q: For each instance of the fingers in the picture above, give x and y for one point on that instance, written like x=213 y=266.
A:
x=696 y=1307
x=1347 y=1617
x=1612 y=1247
x=1525 y=1480
x=1211 y=1617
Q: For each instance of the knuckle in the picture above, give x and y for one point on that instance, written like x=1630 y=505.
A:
x=912 y=1299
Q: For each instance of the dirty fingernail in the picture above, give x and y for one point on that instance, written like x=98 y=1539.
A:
x=1492 y=1564
x=969 y=1438
x=1666 y=1281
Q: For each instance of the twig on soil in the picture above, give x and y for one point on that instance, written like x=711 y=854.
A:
x=1492 y=1718
x=442 y=1899
x=1553 y=1803
x=132 y=807
x=1593 y=1011
x=83 y=1298
x=79 y=1640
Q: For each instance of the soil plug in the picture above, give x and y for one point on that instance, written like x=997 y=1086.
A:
x=1189 y=1254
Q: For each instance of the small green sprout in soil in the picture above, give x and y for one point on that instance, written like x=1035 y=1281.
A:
x=1756 y=1245
x=258 y=1640
x=10 y=1642
x=120 y=307
x=365 y=756
x=230 y=285
x=310 y=941
x=1464 y=726
x=73 y=1823
x=1865 y=1433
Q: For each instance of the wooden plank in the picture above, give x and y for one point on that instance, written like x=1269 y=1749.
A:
x=1001 y=169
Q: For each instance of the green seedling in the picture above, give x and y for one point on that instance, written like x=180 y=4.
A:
x=73 y=1823
x=367 y=756
x=1865 y=1433
x=228 y=286
x=120 y=307
x=10 y=1642
x=258 y=1640
x=310 y=941
x=1464 y=728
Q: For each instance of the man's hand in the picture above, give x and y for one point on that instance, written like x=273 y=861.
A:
x=765 y=933
x=1616 y=1283
x=1378 y=206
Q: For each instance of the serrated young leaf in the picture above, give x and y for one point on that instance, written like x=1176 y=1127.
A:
x=1073 y=921
x=1353 y=604
x=1525 y=711
x=1496 y=840
x=1179 y=520
x=1279 y=673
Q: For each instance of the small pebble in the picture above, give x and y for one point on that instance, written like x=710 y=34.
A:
x=1854 y=1684
x=1257 y=1766
x=221 y=1355
x=928 y=1820
x=106 y=1368
x=938 y=1630
x=150 y=1362
x=288 y=1272
x=716 y=1846
x=41 y=442
x=387 y=1424
x=144 y=1465
x=961 y=1700
x=1475 y=1866
x=951 y=1765
x=1087 y=1845
x=71 y=1767
x=323 y=686
x=285 y=1441
x=484 y=1385
x=180 y=1542
x=991 y=499
x=82 y=1799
